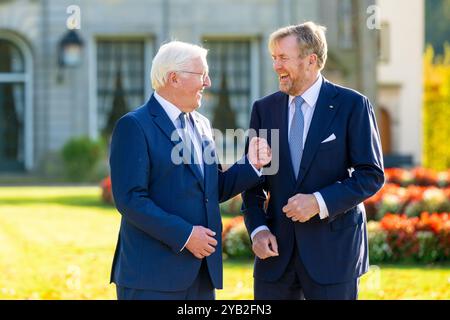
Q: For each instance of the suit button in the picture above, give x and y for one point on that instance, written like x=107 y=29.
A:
x=206 y=200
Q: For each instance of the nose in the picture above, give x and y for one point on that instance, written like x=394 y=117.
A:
x=207 y=82
x=276 y=64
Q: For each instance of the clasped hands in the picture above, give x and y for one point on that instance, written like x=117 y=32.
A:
x=300 y=208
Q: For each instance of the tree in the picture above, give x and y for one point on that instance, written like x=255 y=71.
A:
x=119 y=106
x=436 y=109
x=437 y=28
x=224 y=115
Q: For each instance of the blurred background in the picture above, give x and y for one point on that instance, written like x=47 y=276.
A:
x=70 y=69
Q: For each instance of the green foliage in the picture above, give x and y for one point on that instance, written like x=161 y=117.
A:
x=231 y=207
x=388 y=204
x=237 y=242
x=428 y=247
x=379 y=250
x=436 y=110
x=81 y=156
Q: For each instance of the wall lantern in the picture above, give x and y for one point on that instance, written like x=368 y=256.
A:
x=70 y=50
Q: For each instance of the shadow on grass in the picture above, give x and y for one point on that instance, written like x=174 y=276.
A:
x=237 y=262
x=414 y=265
x=80 y=201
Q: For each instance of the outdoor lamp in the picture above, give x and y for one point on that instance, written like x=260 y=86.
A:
x=70 y=47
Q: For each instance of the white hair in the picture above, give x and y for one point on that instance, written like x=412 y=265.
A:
x=174 y=56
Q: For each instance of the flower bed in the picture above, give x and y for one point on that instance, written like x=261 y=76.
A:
x=395 y=238
x=400 y=238
x=417 y=176
x=411 y=200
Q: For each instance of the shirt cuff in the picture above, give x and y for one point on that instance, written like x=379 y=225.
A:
x=258 y=172
x=187 y=239
x=260 y=228
x=323 y=210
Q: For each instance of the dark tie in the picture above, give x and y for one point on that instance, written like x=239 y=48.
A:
x=296 y=135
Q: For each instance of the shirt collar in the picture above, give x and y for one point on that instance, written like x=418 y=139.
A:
x=312 y=94
x=172 y=111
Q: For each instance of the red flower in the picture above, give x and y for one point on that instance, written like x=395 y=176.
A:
x=107 y=190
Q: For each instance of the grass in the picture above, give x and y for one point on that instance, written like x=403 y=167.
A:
x=58 y=243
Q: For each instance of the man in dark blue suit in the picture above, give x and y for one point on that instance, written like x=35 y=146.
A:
x=311 y=239
x=167 y=185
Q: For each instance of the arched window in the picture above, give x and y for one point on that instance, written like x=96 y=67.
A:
x=15 y=105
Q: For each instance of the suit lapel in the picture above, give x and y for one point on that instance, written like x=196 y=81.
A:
x=163 y=121
x=322 y=118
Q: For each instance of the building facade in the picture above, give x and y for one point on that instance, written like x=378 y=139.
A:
x=400 y=78
x=44 y=104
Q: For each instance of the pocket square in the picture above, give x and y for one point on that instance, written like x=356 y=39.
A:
x=330 y=138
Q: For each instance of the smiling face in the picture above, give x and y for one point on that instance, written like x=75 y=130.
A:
x=295 y=73
x=187 y=85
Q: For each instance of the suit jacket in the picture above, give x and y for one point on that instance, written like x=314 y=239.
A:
x=334 y=249
x=161 y=201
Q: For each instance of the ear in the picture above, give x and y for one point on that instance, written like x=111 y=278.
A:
x=313 y=59
x=173 y=79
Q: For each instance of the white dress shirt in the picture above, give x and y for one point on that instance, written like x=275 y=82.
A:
x=310 y=98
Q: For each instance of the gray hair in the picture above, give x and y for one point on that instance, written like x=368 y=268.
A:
x=173 y=56
x=310 y=38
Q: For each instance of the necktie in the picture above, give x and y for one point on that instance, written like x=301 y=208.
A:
x=189 y=137
x=296 y=135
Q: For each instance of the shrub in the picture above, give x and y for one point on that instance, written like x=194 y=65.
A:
x=81 y=156
x=428 y=250
x=232 y=206
x=379 y=250
x=436 y=110
x=235 y=239
x=425 y=238
x=411 y=200
x=390 y=203
x=395 y=238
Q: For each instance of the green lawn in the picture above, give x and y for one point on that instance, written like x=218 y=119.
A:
x=58 y=242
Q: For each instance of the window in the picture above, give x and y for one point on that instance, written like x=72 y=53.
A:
x=233 y=69
x=120 y=80
x=12 y=107
x=345 y=24
x=228 y=101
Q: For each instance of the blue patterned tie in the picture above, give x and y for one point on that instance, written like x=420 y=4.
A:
x=296 y=135
x=187 y=137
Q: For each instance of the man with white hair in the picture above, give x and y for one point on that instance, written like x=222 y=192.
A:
x=169 y=244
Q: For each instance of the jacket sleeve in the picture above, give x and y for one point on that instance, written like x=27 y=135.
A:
x=253 y=198
x=365 y=157
x=130 y=169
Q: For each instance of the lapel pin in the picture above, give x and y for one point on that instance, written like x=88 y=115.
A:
x=331 y=107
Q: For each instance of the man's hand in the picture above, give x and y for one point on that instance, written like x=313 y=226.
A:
x=201 y=243
x=259 y=152
x=301 y=207
x=265 y=245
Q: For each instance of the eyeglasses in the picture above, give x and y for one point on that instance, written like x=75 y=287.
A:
x=204 y=75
